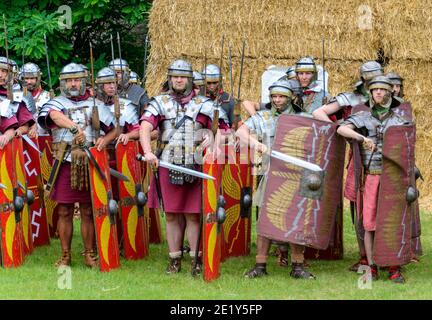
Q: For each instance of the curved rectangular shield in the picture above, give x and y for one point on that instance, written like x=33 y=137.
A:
x=300 y=205
x=394 y=213
x=105 y=222
x=133 y=222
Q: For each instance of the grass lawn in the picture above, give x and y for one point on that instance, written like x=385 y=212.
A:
x=146 y=279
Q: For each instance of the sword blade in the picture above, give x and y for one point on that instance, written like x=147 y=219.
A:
x=295 y=161
x=22 y=187
x=171 y=166
x=94 y=163
x=31 y=143
x=118 y=175
x=191 y=172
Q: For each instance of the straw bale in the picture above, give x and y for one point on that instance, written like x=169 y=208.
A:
x=278 y=32
x=406 y=29
x=417 y=84
x=277 y=29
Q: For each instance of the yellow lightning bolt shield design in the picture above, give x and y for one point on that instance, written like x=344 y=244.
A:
x=132 y=220
x=104 y=238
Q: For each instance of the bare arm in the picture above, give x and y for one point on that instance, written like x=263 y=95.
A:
x=325 y=111
x=144 y=135
x=61 y=120
x=348 y=132
x=243 y=133
x=251 y=107
x=154 y=134
x=24 y=129
x=6 y=137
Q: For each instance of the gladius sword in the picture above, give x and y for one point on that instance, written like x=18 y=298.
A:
x=171 y=166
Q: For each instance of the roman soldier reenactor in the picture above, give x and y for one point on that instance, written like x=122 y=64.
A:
x=369 y=129
x=199 y=83
x=340 y=107
x=134 y=78
x=312 y=94
x=30 y=77
x=69 y=117
x=397 y=81
x=213 y=90
x=127 y=90
x=21 y=105
x=180 y=115
x=263 y=123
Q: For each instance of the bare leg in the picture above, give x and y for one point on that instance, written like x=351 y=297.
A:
x=263 y=247
x=175 y=234
x=174 y=230
x=369 y=240
x=65 y=231
x=89 y=235
x=297 y=253
x=192 y=229
x=87 y=226
x=65 y=225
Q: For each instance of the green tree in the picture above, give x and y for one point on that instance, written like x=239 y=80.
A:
x=90 y=20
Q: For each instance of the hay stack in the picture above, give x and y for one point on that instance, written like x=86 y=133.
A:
x=278 y=32
x=278 y=29
x=406 y=29
x=417 y=84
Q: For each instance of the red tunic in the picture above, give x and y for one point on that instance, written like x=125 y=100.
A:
x=186 y=198
x=5 y=124
x=62 y=191
x=23 y=115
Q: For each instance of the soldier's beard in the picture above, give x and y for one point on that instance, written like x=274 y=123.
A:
x=74 y=92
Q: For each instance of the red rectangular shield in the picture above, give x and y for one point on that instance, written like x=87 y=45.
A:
x=21 y=180
x=212 y=231
x=105 y=224
x=135 y=237
x=46 y=161
x=39 y=222
x=237 y=182
x=11 y=230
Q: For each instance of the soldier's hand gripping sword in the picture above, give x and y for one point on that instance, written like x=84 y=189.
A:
x=93 y=161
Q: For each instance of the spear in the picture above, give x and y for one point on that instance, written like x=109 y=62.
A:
x=119 y=50
x=112 y=48
x=9 y=76
x=231 y=71
x=145 y=58
x=95 y=111
x=23 y=46
x=23 y=52
x=324 y=72
x=48 y=67
x=116 y=98
x=241 y=69
x=216 y=104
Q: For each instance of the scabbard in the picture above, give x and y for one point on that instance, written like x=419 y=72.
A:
x=55 y=169
x=158 y=189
